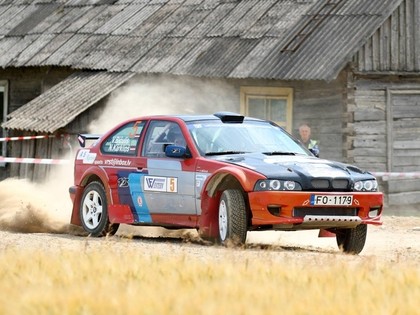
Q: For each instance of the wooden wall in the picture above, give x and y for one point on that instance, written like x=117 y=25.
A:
x=384 y=132
x=395 y=46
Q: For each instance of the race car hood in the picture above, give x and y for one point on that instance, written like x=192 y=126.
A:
x=295 y=167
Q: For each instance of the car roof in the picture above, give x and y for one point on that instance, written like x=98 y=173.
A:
x=223 y=116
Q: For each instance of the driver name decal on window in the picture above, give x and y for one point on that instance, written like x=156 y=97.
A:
x=161 y=184
x=120 y=144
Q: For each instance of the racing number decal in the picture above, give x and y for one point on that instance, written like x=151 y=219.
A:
x=172 y=184
x=161 y=184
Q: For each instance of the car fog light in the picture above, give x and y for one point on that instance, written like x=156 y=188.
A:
x=275 y=184
x=289 y=185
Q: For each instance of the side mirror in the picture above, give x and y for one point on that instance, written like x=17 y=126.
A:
x=175 y=151
x=315 y=152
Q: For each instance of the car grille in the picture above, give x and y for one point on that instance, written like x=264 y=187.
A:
x=322 y=183
x=331 y=211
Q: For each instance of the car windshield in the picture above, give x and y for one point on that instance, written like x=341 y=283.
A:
x=216 y=138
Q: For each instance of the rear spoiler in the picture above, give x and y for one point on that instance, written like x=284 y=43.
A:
x=82 y=137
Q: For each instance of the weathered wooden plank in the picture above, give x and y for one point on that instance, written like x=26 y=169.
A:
x=370 y=160
x=416 y=30
x=367 y=56
x=375 y=51
x=405 y=198
x=406 y=145
x=409 y=124
x=394 y=39
x=409 y=31
x=370 y=128
x=403 y=185
x=402 y=36
x=414 y=168
x=370 y=141
x=413 y=161
x=406 y=153
x=369 y=115
x=368 y=152
x=369 y=92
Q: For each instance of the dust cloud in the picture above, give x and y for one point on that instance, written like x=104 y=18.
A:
x=28 y=207
x=156 y=95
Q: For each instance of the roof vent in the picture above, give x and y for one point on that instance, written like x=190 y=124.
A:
x=228 y=117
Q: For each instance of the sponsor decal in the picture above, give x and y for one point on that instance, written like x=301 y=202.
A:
x=86 y=156
x=122 y=182
x=161 y=184
x=200 y=179
x=117 y=162
x=140 y=201
x=82 y=154
x=119 y=144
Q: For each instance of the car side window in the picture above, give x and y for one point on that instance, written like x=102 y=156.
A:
x=125 y=140
x=159 y=134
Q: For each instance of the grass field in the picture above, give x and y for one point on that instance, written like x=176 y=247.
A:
x=101 y=281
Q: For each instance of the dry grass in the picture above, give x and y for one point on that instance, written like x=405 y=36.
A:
x=101 y=281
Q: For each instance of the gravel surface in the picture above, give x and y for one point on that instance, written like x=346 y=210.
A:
x=397 y=240
x=35 y=217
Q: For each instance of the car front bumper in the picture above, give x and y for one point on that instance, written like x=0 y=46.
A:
x=293 y=210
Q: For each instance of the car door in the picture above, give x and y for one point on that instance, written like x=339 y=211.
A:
x=119 y=153
x=163 y=188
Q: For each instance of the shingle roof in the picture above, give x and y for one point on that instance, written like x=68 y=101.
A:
x=62 y=103
x=271 y=39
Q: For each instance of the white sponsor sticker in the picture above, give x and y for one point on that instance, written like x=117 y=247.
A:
x=86 y=156
x=82 y=154
x=161 y=184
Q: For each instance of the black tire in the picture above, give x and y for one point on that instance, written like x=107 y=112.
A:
x=352 y=241
x=93 y=211
x=232 y=218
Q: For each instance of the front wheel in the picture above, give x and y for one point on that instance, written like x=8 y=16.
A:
x=93 y=211
x=232 y=218
x=352 y=241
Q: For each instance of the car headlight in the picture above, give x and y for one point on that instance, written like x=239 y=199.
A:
x=366 y=185
x=276 y=184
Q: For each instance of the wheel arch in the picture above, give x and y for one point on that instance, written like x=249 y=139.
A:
x=210 y=198
x=91 y=175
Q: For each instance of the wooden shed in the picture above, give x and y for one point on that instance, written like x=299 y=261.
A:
x=348 y=68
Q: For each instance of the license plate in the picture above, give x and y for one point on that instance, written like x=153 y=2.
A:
x=335 y=200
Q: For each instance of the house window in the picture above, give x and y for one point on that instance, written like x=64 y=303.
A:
x=269 y=103
x=3 y=115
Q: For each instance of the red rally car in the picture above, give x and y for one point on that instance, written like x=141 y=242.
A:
x=222 y=174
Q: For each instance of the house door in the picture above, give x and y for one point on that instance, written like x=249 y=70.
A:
x=403 y=130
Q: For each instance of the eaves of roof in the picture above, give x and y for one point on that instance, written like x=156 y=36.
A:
x=62 y=103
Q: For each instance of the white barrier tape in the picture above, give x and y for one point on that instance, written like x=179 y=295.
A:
x=25 y=138
x=33 y=161
x=396 y=175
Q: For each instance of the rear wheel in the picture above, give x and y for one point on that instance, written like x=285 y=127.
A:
x=352 y=241
x=232 y=218
x=93 y=211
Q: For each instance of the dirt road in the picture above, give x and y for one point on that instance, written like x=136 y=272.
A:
x=397 y=240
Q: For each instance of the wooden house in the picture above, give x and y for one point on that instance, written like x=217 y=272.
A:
x=348 y=68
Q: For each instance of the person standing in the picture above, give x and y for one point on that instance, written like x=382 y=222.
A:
x=305 y=138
